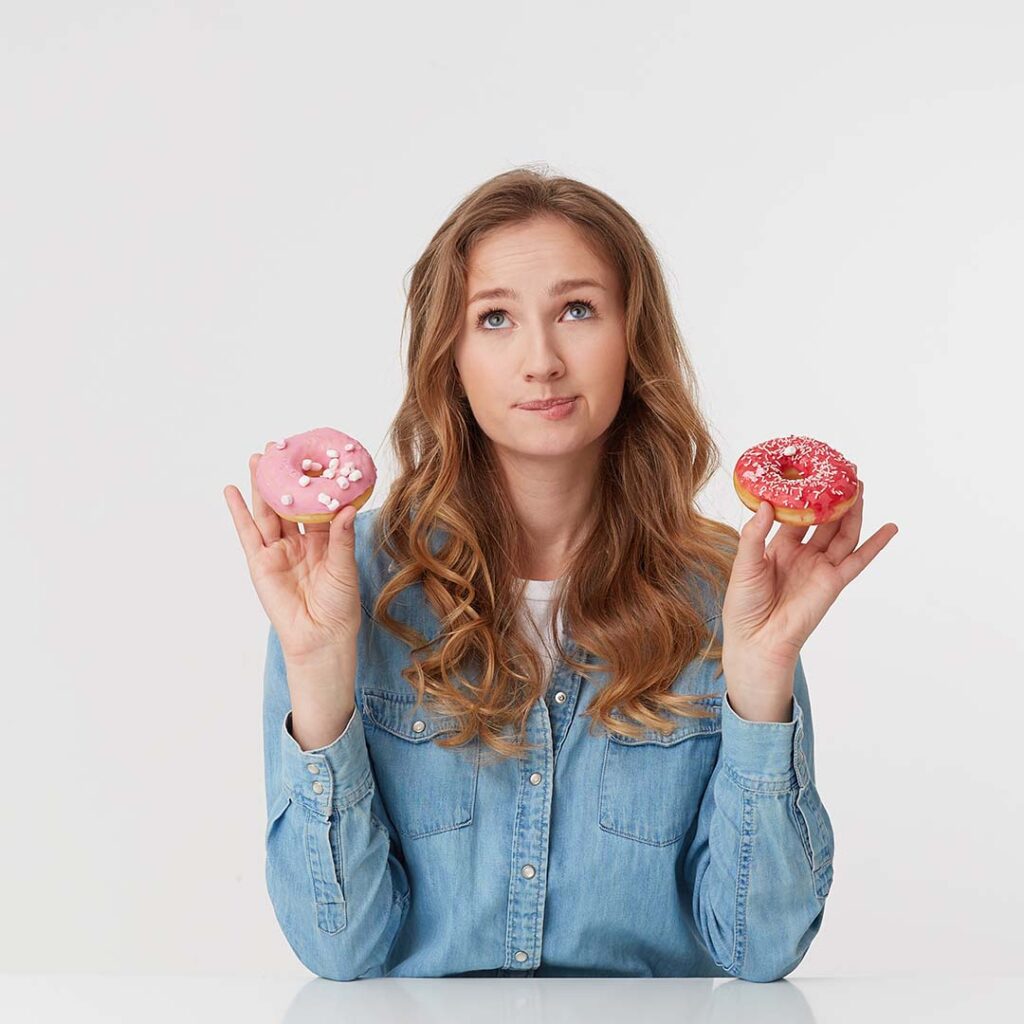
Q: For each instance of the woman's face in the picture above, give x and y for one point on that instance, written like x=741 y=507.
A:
x=549 y=334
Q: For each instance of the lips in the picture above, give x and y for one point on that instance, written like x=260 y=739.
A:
x=546 y=403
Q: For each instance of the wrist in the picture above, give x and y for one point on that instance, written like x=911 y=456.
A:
x=760 y=692
x=760 y=708
x=324 y=655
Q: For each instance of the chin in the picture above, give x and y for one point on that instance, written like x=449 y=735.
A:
x=558 y=448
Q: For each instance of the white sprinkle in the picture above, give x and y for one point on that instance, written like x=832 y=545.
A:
x=789 y=450
x=355 y=475
x=331 y=453
x=324 y=499
x=333 y=463
x=333 y=504
x=287 y=499
x=349 y=447
x=280 y=444
x=328 y=474
x=316 y=466
x=343 y=482
x=307 y=463
x=303 y=480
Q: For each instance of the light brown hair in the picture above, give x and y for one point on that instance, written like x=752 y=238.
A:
x=636 y=589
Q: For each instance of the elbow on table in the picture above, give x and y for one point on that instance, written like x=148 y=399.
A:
x=768 y=964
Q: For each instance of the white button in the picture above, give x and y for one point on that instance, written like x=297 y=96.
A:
x=318 y=787
x=535 y=778
x=521 y=956
x=560 y=697
x=418 y=726
x=314 y=768
x=529 y=871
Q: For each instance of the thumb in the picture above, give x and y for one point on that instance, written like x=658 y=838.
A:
x=341 y=542
x=750 y=553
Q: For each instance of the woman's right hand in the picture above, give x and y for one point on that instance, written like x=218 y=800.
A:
x=308 y=584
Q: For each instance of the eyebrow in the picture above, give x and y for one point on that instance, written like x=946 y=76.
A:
x=558 y=288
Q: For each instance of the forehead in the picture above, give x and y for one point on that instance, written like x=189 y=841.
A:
x=545 y=246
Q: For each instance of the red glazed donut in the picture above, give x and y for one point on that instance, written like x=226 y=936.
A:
x=807 y=482
x=309 y=477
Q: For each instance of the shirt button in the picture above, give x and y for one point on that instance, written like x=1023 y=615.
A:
x=521 y=956
x=314 y=768
x=560 y=697
x=418 y=726
x=535 y=778
x=529 y=871
x=318 y=787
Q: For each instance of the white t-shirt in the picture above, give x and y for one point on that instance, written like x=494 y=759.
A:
x=538 y=596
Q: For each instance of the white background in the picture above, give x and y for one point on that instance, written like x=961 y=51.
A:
x=207 y=214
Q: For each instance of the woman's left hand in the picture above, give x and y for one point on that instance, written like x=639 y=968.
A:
x=777 y=595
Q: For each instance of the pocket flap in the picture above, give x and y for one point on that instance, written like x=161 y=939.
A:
x=398 y=714
x=685 y=728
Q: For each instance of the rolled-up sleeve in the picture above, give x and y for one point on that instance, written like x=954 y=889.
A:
x=339 y=891
x=760 y=865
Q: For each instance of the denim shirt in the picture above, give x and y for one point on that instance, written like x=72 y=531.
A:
x=706 y=852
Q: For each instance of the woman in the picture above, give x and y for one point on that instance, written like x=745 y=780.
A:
x=439 y=802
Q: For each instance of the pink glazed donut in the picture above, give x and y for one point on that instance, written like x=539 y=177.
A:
x=307 y=478
x=807 y=482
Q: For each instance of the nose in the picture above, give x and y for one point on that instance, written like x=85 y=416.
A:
x=541 y=361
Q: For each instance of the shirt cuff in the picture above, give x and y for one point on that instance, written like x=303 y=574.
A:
x=328 y=777
x=759 y=748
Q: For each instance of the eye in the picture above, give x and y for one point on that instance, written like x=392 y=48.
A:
x=589 y=306
x=486 y=315
x=585 y=303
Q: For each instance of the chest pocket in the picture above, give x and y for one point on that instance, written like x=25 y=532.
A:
x=652 y=785
x=425 y=788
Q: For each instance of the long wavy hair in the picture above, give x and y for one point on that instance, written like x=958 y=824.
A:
x=635 y=590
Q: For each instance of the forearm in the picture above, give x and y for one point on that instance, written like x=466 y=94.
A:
x=322 y=691
x=339 y=891
x=760 y=864
x=758 y=692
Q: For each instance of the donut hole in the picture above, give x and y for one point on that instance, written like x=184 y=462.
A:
x=792 y=473
x=311 y=472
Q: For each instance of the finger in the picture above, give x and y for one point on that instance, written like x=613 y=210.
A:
x=248 y=533
x=848 y=535
x=851 y=566
x=824 y=535
x=788 y=535
x=268 y=521
x=750 y=552
x=341 y=549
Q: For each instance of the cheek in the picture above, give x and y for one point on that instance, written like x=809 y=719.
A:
x=605 y=368
x=485 y=378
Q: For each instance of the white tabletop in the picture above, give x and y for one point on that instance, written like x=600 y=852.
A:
x=83 y=998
